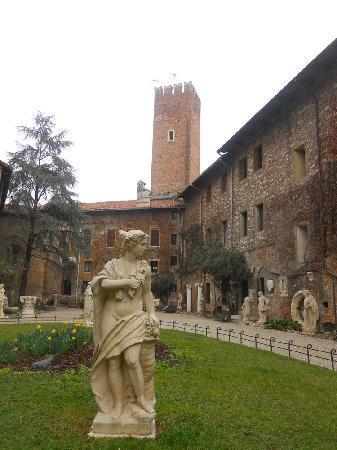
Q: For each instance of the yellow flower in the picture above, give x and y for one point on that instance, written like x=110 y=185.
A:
x=54 y=331
x=38 y=327
x=74 y=330
x=65 y=323
x=49 y=338
x=16 y=340
x=77 y=325
x=73 y=338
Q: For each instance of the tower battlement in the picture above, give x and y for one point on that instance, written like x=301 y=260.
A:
x=176 y=138
x=182 y=90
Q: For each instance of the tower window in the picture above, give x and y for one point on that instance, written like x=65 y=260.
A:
x=170 y=135
x=258 y=158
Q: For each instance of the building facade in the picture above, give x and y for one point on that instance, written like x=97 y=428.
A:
x=272 y=194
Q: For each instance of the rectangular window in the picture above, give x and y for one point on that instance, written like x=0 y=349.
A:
x=154 y=242
x=174 y=288
x=87 y=266
x=170 y=135
x=208 y=193
x=243 y=168
x=302 y=243
x=208 y=235
x=154 y=266
x=223 y=182
x=110 y=238
x=299 y=162
x=244 y=223
x=224 y=226
x=259 y=217
x=208 y=292
x=258 y=158
x=173 y=239
x=173 y=261
x=175 y=214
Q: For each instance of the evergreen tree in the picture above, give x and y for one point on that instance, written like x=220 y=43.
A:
x=41 y=196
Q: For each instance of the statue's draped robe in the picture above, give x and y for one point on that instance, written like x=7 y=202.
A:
x=123 y=333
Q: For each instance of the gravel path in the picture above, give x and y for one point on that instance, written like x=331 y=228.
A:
x=251 y=336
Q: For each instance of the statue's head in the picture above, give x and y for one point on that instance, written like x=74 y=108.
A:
x=260 y=293
x=134 y=240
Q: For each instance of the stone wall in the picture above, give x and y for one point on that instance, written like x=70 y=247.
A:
x=289 y=201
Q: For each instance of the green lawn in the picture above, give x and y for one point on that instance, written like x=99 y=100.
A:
x=221 y=396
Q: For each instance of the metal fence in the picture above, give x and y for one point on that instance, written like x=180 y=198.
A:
x=307 y=353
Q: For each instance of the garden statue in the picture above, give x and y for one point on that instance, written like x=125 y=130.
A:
x=28 y=303
x=122 y=377
x=310 y=310
x=88 y=307
x=263 y=307
x=245 y=308
x=2 y=301
x=180 y=302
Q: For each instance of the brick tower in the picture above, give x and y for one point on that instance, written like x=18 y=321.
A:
x=176 y=139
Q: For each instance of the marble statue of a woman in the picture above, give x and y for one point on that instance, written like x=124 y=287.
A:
x=122 y=376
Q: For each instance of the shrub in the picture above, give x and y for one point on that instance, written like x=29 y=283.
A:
x=283 y=325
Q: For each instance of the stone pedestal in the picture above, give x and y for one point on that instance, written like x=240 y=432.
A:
x=125 y=426
x=28 y=303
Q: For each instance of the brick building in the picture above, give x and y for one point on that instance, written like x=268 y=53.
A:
x=272 y=194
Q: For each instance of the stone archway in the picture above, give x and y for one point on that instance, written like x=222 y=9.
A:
x=295 y=307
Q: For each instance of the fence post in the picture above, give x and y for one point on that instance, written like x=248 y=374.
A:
x=255 y=337
x=160 y=321
x=206 y=330
x=271 y=340
x=333 y=351
x=217 y=332
x=185 y=324
x=173 y=325
x=241 y=333
x=309 y=347
x=195 y=328
x=229 y=334
x=291 y=342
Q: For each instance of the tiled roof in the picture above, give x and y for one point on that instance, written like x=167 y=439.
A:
x=120 y=205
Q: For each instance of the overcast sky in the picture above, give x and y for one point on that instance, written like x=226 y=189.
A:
x=91 y=64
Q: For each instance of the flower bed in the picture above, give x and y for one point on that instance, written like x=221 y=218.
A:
x=45 y=341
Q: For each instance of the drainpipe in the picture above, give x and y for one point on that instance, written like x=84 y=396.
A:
x=78 y=268
x=232 y=199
